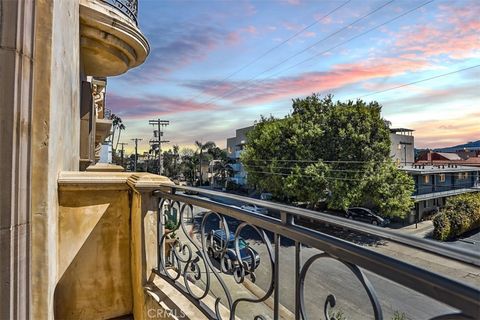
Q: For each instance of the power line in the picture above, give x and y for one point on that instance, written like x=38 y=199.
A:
x=327 y=161
x=305 y=49
x=419 y=81
x=275 y=47
x=238 y=89
x=353 y=38
x=331 y=178
x=353 y=172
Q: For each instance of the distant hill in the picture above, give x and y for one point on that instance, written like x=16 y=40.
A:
x=474 y=145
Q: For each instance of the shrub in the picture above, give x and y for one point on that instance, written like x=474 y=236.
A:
x=232 y=186
x=461 y=214
x=441 y=227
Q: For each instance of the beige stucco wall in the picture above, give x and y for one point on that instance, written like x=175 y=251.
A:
x=16 y=62
x=55 y=136
x=102 y=245
x=40 y=73
x=96 y=285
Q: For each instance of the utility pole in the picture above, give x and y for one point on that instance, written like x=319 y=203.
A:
x=136 y=145
x=160 y=124
x=122 y=151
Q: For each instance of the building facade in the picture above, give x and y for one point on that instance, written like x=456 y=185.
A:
x=402 y=146
x=470 y=158
x=235 y=146
x=55 y=57
x=435 y=183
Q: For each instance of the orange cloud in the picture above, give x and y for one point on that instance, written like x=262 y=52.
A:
x=437 y=133
x=339 y=76
x=142 y=107
x=455 y=34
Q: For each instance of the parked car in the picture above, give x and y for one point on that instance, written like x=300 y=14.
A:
x=191 y=192
x=366 y=215
x=254 y=208
x=216 y=242
x=266 y=196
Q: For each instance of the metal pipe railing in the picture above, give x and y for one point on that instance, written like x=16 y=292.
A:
x=187 y=256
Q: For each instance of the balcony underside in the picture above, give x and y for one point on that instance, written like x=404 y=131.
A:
x=111 y=43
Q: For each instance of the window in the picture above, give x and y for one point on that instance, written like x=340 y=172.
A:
x=462 y=175
x=426 y=179
x=442 y=177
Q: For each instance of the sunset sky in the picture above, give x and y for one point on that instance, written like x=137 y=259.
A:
x=216 y=66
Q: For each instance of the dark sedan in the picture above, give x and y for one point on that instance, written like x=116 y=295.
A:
x=216 y=242
x=366 y=215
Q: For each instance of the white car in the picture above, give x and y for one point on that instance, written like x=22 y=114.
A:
x=254 y=208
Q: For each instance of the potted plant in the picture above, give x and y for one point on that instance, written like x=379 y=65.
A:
x=170 y=238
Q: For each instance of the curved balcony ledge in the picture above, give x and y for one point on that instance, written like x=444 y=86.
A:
x=102 y=130
x=110 y=41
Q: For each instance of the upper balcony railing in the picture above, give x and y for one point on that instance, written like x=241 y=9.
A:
x=127 y=7
x=304 y=271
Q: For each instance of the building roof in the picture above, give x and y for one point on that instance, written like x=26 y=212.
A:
x=429 y=169
x=396 y=130
x=449 y=156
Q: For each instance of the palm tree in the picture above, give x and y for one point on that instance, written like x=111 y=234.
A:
x=176 y=148
x=222 y=169
x=117 y=123
x=201 y=147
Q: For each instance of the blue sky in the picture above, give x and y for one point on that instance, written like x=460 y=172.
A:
x=216 y=66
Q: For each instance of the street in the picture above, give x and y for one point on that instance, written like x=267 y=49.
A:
x=328 y=276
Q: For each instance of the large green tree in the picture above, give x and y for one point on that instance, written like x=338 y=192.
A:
x=328 y=150
x=188 y=163
x=170 y=162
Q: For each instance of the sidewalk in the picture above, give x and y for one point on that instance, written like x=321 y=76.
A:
x=421 y=229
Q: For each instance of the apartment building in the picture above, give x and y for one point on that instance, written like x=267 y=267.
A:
x=235 y=146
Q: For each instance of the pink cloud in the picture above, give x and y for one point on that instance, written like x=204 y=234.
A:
x=292 y=26
x=337 y=77
x=233 y=38
x=327 y=20
x=150 y=105
x=454 y=34
x=447 y=132
x=251 y=30
x=249 y=8
x=293 y=2
x=309 y=34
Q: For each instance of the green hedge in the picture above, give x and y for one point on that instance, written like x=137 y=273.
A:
x=461 y=214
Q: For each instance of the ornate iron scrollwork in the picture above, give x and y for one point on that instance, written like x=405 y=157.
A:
x=190 y=260
x=330 y=302
x=127 y=7
x=186 y=258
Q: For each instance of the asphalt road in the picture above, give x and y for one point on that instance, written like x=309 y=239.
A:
x=326 y=276
x=469 y=241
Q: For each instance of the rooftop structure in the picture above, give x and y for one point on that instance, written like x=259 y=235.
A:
x=403 y=131
x=402 y=146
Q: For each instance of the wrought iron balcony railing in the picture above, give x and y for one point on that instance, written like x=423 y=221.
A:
x=207 y=242
x=127 y=7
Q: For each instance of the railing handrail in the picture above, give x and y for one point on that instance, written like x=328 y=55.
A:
x=127 y=7
x=456 y=294
x=455 y=253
